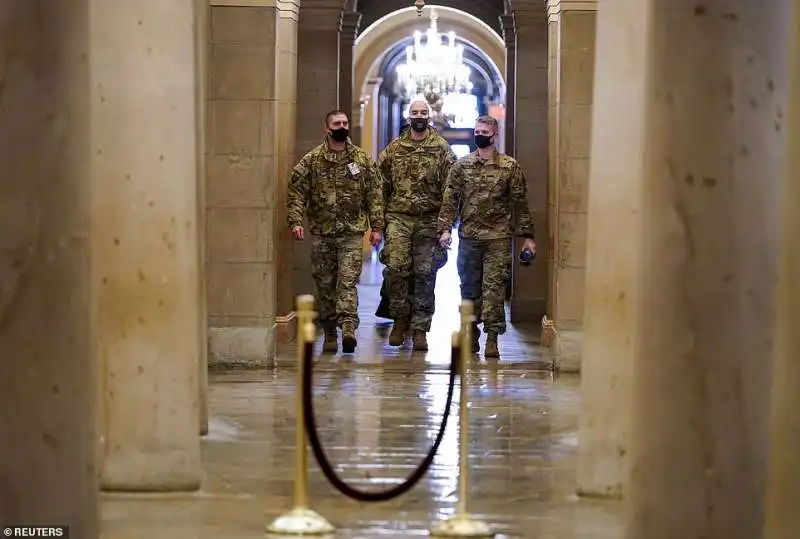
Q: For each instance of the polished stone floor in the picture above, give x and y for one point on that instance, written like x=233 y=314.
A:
x=378 y=413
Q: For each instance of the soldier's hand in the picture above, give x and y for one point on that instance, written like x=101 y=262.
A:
x=298 y=232
x=375 y=238
x=529 y=244
x=445 y=239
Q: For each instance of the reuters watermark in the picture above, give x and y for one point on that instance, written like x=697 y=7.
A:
x=36 y=531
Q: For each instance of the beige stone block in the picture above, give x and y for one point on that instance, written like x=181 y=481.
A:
x=532 y=85
x=241 y=289
x=240 y=235
x=577 y=29
x=241 y=347
x=249 y=25
x=573 y=185
x=235 y=127
x=267 y=114
x=575 y=123
x=239 y=321
x=571 y=246
x=239 y=181
x=552 y=40
x=285 y=128
x=242 y=71
x=570 y=286
x=576 y=76
x=287 y=36
x=287 y=76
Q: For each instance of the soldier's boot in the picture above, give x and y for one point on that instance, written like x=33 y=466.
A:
x=349 y=341
x=398 y=335
x=476 y=335
x=420 y=339
x=330 y=344
x=491 y=345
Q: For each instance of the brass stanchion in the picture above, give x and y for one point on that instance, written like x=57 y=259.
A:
x=301 y=520
x=463 y=524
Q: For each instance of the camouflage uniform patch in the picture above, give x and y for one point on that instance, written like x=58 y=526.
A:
x=484 y=272
x=341 y=195
x=336 y=264
x=489 y=198
x=415 y=174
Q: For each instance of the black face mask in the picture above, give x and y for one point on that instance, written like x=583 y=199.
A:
x=483 y=141
x=418 y=124
x=339 y=135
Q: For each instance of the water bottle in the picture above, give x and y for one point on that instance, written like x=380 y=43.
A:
x=526 y=256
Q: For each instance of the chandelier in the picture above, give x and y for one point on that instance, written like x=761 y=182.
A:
x=433 y=67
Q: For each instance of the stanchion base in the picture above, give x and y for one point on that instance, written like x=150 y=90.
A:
x=300 y=521
x=462 y=526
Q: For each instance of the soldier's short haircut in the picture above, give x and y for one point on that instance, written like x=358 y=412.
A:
x=489 y=120
x=335 y=112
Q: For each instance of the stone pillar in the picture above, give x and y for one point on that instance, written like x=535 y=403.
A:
x=348 y=100
x=356 y=122
x=708 y=87
x=510 y=39
x=552 y=154
x=612 y=259
x=144 y=242
x=317 y=93
x=370 y=135
x=530 y=128
x=241 y=184
x=201 y=104
x=783 y=489
x=569 y=183
x=284 y=133
x=47 y=460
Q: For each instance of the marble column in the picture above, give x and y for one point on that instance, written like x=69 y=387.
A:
x=145 y=242
x=47 y=458
x=317 y=93
x=783 y=488
x=612 y=258
x=285 y=128
x=201 y=104
x=569 y=178
x=552 y=153
x=711 y=103
x=370 y=135
x=241 y=202
x=531 y=139
x=348 y=100
x=510 y=39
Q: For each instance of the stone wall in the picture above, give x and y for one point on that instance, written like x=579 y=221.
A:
x=242 y=182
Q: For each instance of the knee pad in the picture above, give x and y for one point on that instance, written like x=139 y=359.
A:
x=382 y=256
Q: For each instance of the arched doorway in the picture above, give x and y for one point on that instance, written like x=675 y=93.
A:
x=381 y=48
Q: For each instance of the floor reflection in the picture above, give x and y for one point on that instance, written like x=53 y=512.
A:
x=378 y=413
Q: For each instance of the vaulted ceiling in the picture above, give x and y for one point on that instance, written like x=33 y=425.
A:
x=488 y=11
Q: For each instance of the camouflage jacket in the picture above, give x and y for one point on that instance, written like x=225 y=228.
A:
x=342 y=194
x=415 y=173
x=487 y=196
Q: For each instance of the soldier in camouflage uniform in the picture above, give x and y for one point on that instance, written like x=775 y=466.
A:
x=340 y=188
x=414 y=167
x=486 y=190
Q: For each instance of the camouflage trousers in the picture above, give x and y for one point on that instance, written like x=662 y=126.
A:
x=483 y=267
x=410 y=273
x=336 y=264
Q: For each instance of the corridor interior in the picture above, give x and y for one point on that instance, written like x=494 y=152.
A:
x=378 y=413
